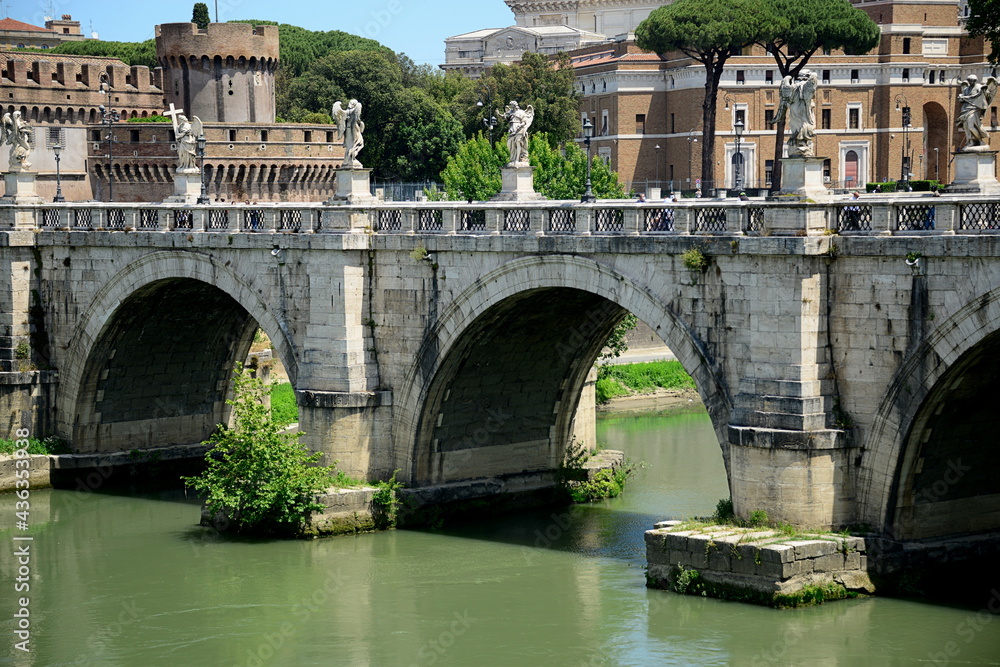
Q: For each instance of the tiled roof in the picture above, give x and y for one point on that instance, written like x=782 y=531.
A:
x=11 y=24
x=604 y=57
x=63 y=57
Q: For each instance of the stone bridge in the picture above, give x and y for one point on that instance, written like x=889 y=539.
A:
x=848 y=355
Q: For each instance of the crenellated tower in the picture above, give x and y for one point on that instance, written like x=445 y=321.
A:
x=223 y=74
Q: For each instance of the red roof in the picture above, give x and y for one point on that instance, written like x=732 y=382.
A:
x=11 y=24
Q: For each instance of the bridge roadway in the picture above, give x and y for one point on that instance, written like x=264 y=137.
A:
x=847 y=353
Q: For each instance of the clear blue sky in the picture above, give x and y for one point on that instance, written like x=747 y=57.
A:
x=415 y=27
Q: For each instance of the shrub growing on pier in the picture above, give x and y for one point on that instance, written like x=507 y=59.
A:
x=260 y=478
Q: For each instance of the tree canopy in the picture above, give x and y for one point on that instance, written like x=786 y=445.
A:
x=473 y=172
x=299 y=48
x=984 y=21
x=199 y=15
x=711 y=32
x=130 y=53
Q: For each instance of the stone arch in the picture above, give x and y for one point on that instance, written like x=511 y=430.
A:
x=905 y=418
x=597 y=297
x=149 y=280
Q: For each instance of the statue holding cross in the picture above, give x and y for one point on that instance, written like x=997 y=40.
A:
x=186 y=133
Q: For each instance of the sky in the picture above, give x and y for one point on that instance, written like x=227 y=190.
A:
x=415 y=27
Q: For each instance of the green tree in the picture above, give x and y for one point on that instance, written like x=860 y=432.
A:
x=984 y=21
x=424 y=136
x=615 y=346
x=473 y=172
x=799 y=28
x=131 y=53
x=546 y=84
x=200 y=15
x=259 y=477
x=711 y=32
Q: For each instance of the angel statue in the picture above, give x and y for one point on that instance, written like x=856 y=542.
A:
x=797 y=104
x=975 y=98
x=351 y=128
x=17 y=134
x=187 y=133
x=517 y=133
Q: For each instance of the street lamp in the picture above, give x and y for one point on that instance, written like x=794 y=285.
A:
x=108 y=118
x=937 y=176
x=588 y=133
x=203 y=198
x=657 y=165
x=490 y=121
x=905 y=109
x=738 y=163
x=56 y=150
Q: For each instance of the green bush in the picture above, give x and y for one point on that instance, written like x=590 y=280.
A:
x=886 y=187
x=284 y=410
x=607 y=388
x=49 y=445
x=650 y=375
x=259 y=478
x=925 y=186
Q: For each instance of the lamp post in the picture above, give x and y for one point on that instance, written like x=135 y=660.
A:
x=588 y=133
x=203 y=197
x=490 y=121
x=937 y=175
x=56 y=150
x=657 y=165
x=905 y=110
x=738 y=162
x=108 y=118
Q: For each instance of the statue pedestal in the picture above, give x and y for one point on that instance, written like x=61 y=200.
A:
x=803 y=177
x=353 y=186
x=518 y=184
x=975 y=173
x=187 y=187
x=19 y=187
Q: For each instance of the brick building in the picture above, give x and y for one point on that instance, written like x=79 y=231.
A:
x=223 y=74
x=20 y=35
x=646 y=108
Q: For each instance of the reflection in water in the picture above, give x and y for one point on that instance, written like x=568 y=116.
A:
x=127 y=581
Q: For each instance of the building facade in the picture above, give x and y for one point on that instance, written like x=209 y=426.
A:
x=646 y=108
x=21 y=35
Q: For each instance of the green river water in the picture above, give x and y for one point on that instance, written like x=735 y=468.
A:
x=132 y=581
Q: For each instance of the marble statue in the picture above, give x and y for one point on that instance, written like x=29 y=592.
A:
x=17 y=133
x=797 y=105
x=517 y=133
x=975 y=98
x=187 y=133
x=351 y=128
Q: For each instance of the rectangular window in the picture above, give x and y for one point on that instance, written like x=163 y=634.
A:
x=329 y=137
x=930 y=77
x=768 y=170
x=993 y=116
x=133 y=135
x=769 y=76
x=263 y=135
x=768 y=116
x=906 y=74
x=740 y=76
x=672 y=126
x=906 y=45
x=640 y=124
x=855 y=76
x=826 y=76
x=827 y=119
x=854 y=118
x=232 y=135
x=740 y=117
x=307 y=136
x=57 y=135
x=826 y=170
x=95 y=135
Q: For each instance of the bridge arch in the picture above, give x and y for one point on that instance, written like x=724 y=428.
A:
x=146 y=309
x=505 y=313
x=930 y=466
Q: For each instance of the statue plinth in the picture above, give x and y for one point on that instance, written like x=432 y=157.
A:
x=975 y=172
x=802 y=177
x=353 y=186
x=518 y=184
x=19 y=186
x=187 y=186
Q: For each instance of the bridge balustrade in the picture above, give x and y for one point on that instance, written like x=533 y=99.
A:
x=881 y=215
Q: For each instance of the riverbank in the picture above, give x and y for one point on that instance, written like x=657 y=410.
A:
x=669 y=401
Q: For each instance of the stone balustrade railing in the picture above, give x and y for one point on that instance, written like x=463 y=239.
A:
x=867 y=216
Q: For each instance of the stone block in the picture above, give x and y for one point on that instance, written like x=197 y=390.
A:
x=830 y=563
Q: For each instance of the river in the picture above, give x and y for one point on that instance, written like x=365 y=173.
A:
x=126 y=580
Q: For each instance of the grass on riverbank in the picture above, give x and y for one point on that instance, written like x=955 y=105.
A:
x=628 y=379
x=284 y=411
x=50 y=445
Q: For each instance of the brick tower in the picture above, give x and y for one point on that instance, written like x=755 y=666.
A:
x=224 y=74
